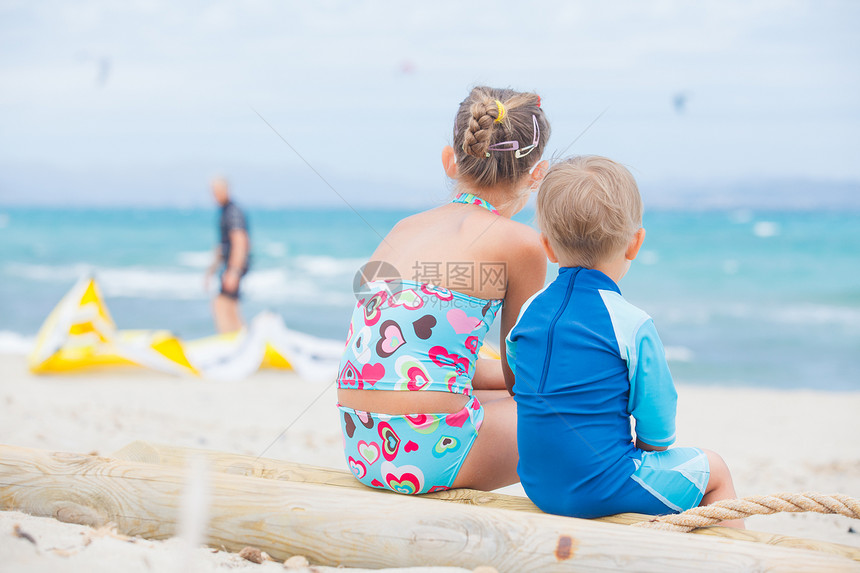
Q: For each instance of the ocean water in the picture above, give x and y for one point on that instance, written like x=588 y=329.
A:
x=739 y=297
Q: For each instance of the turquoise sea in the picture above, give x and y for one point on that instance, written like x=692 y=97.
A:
x=739 y=297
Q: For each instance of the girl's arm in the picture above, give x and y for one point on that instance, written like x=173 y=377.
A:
x=488 y=375
x=526 y=274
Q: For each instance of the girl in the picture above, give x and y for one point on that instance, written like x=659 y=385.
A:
x=419 y=411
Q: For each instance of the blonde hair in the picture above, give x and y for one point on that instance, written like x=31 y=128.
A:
x=589 y=208
x=478 y=126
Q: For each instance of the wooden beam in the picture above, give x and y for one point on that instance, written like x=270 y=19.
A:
x=339 y=526
x=238 y=464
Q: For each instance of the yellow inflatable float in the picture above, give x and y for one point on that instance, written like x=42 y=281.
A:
x=79 y=334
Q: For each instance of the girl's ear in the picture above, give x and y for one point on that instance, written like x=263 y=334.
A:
x=550 y=254
x=449 y=161
x=635 y=244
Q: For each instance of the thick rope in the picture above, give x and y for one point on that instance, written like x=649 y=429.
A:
x=755 y=505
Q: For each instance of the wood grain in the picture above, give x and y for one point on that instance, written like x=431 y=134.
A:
x=345 y=526
x=282 y=470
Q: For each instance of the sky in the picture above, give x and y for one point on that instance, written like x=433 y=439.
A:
x=141 y=103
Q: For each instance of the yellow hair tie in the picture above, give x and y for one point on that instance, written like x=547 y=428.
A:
x=502 y=112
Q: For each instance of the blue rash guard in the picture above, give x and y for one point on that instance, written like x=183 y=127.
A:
x=585 y=361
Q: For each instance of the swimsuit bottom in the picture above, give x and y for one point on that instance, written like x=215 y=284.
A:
x=233 y=294
x=411 y=453
x=677 y=477
x=661 y=482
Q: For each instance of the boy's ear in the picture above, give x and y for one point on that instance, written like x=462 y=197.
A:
x=449 y=161
x=539 y=172
x=550 y=253
x=635 y=244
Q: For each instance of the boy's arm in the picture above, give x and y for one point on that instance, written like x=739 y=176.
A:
x=653 y=399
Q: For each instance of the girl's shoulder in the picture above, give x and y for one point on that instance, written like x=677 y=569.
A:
x=485 y=232
x=517 y=246
x=516 y=237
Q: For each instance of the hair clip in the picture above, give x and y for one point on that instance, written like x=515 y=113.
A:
x=538 y=103
x=515 y=145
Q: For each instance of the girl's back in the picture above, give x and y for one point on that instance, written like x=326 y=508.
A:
x=450 y=245
x=410 y=369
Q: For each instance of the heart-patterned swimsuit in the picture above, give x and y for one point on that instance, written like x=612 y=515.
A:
x=413 y=337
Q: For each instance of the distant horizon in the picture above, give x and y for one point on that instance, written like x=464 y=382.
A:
x=769 y=194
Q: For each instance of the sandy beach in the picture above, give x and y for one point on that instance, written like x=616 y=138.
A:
x=773 y=441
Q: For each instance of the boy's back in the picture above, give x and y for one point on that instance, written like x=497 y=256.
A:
x=586 y=360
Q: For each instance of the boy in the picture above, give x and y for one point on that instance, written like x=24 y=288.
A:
x=585 y=360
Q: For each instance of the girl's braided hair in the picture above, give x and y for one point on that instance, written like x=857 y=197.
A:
x=477 y=128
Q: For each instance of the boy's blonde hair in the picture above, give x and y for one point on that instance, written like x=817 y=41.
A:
x=589 y=208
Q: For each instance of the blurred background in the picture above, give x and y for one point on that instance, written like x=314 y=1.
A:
x=740 y=121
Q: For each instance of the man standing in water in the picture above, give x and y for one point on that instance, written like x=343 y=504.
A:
x=232 y=255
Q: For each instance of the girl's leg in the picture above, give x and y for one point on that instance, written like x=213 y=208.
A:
x=720 y=486
x=492 y=461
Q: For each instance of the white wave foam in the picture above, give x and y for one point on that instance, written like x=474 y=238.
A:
x=14 y=343
x=195 y=259
x=142 y=282
x=275 y=250
x=805 y=314
x=816 y=314
x=134 y=282
x=328 y=281
x=320 y=280
x=283 y=286
x=811 y=314
x=679 y=314
x=678 y=354
x=268 y=286
x=324 y=266
x=47 y=273
x=766 y=229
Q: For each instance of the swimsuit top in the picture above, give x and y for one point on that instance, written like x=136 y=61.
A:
x=407 y=335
